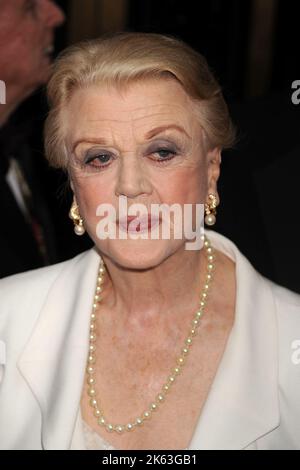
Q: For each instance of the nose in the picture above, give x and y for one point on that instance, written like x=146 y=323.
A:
x=132 y=181
x=53 y=14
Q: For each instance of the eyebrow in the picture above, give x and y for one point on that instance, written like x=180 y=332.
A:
x=149 y=135
x=160 y=129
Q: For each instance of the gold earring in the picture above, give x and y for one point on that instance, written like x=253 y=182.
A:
x=210 y=210
x=76 y=217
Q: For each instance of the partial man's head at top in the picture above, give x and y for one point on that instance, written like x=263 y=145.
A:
x=26 y=43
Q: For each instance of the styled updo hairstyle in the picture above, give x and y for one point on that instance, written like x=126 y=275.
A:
x=122 y=59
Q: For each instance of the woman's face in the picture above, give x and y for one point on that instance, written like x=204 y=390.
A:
x=143 y=145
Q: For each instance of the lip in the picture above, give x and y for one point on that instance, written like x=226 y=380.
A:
x=143 y=223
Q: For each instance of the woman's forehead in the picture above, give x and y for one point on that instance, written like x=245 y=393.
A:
x=140 y=107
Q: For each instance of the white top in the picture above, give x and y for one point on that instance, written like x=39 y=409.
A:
x=13 y=180
x=93 y=440
x=253 y=402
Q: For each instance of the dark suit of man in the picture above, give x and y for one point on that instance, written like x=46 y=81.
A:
x=20 y=246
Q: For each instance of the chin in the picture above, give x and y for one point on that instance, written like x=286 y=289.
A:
x=137 y=254
x=44 y=72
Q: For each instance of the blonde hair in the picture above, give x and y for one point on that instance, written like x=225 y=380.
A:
x=123 y=58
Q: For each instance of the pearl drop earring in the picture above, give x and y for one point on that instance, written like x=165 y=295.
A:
x=77 y=219
x=210 y=210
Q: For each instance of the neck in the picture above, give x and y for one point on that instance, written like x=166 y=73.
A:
x=141 y=297
x=4 y=114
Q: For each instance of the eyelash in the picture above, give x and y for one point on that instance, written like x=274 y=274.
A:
x=173 y=153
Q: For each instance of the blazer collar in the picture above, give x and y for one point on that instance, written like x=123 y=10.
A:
x=242 y=404
x=54 y=359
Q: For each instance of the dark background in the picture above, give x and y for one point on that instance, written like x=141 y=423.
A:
x=252 y=46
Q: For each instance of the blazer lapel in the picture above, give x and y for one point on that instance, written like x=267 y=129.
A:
x=243 y=404
x=53 y=361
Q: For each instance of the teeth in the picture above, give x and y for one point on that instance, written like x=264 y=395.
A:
x=49 y=49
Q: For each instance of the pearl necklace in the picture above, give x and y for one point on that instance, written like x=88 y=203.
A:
x=180 y=362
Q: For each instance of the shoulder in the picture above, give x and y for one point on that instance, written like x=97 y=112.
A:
x=36 y=277
x=22 y=281
x=16 y=289
x=287 y=304
x=22 y=295
x=288 y=320
x=287 y=316
x=233 y=260
x=284 y=295
x=270 y=300
x=287 y=307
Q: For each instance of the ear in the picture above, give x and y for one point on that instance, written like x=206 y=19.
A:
x=72 y=188
x=213 y=169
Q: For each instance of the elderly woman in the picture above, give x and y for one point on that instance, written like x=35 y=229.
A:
x=145 y=342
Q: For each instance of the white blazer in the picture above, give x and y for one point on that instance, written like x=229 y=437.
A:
x=254 y=402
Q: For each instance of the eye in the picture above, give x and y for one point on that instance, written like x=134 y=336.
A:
x=99 y=160
x=165 y=154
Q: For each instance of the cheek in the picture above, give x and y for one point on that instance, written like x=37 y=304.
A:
x=184 y=186
x=90 y=193
x=24 y=64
